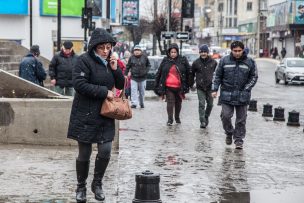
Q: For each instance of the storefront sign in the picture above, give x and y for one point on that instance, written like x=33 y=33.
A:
x=130 y=12
x=14 y=7
x=69 y=7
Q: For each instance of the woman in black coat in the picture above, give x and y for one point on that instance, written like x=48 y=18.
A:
x=172 y=80
x=94 y=77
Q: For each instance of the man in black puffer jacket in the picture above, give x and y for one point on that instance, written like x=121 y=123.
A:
x=60 y=69
x=203 y=69
x=236 y=74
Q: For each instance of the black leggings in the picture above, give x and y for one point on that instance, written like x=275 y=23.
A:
x=85 y=150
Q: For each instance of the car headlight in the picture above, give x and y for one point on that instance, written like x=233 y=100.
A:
x=291 y=73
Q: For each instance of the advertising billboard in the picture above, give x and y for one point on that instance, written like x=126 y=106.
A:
x=130 y=12
x=14 y=7
x=71 y=8
x=299 y=16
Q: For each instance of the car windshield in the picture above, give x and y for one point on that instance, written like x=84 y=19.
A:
x=295 y=63
x=155 y=62
x=192 y=57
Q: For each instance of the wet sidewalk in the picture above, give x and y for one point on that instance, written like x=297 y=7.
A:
x=195 y=165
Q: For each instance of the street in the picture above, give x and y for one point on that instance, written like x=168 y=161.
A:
x=194 y=164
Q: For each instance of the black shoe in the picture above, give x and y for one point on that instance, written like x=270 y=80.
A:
x=203 y=125
x=177 y=120
x=82 y=170
x=207 y=121
x=238 y=146
x=96 y=188
x=133 y=106
x=229 y=139
x=169 y=122
x=142 y=106
x=81 y=195
x=99 y=171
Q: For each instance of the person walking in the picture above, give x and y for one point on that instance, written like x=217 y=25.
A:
x=125 y=60
x=236 y=74
x=94 y=77
x=137 y=68
x=202 y=70
x=60 y=69
x=31 y=68
x=283 y=52
x=275 y=53
x=172 y=81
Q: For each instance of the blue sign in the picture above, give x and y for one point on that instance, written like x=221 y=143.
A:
x=14 y=7
x=113 y=11
x=232 y=38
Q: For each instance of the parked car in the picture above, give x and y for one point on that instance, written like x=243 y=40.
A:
x=290 y=70
x=155 y=63
x=191 y=57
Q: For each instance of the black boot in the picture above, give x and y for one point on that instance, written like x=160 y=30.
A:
x=99 y=171
x=82 y=170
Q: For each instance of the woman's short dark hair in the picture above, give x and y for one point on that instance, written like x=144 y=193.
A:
x=300 y=6
x=237 y=44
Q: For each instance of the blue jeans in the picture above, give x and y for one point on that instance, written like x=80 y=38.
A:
x=138 y=92
x=68 y=91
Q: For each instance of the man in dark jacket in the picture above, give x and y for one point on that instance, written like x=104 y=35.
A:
x=138 y=67
x=31 y=68
x=203 y=69
x=60 y=69
x=236 y=74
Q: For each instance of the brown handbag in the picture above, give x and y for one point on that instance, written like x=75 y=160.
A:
x=118 y=108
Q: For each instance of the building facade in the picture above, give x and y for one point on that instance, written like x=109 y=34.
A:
x=16 y=24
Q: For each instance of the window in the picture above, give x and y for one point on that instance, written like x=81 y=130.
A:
x=235 y=22
x=249 y=6
x=235 y=6
x=221 y=7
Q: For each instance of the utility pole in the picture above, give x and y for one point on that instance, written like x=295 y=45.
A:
x=169 y=15
x=31 y=23
x=85 y=26
x=155 y=19
x=58 y=25
x=258 y=28
x=182 y=19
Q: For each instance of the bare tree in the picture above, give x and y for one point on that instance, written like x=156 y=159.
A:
x=160 y=25
x=137 y=31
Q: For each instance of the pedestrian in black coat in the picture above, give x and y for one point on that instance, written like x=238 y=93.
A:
x=60 y=69
x=202 y=70
x=31 y=68
x=172 y=81
x=94 y=77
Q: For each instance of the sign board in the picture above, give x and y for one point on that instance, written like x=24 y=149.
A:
x=130 y=12
x=71 y=8
x=182 y=35
x=167 y=35
x=14 y=7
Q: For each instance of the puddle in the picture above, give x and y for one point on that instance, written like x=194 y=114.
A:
x=291 y=195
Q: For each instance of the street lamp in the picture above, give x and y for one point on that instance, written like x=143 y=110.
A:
x=206 y=10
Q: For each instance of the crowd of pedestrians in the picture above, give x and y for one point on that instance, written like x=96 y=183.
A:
x=100 y=74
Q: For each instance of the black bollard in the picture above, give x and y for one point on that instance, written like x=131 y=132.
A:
x=279 y=114
x=267 y=110
x=293 y=118
x=253 y=105
x=147 y=188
